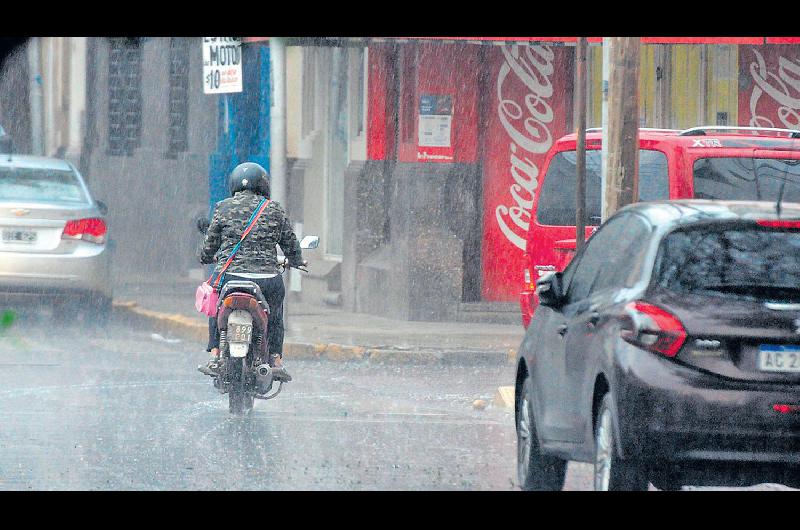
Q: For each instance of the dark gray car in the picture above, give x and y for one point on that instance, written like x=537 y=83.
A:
x=668 y=351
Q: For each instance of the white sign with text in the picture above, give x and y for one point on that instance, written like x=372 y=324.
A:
x=222 y=65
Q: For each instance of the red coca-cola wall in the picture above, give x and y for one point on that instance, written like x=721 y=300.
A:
x=380 y=104
x=528 y=107
x=445 y=70
x=769 y=86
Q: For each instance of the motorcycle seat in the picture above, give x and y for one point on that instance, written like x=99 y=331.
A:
x=251 y=288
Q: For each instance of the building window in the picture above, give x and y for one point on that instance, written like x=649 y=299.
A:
x=124 y=96
x=178 y=137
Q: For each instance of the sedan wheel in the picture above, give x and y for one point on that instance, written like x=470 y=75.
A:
x=535 y=470
x=612 y=473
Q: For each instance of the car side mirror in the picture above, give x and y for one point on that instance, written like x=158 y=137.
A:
x=309 y=242
x=550 y=290
x=102 y=206
x=202 y=224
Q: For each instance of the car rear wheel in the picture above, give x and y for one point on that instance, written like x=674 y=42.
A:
x=536 y=472
x=612 y=473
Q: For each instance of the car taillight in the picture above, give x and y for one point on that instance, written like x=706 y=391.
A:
x=779 y=223
x=654 y=329
x=92 y=230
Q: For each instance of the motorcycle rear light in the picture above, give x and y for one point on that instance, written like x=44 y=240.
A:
x=778 y=223
x=92 y=230
x=654 y=329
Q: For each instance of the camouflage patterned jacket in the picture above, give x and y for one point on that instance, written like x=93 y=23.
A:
x=257 y=253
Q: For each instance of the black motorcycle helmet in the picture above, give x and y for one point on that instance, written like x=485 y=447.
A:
x=249 y=176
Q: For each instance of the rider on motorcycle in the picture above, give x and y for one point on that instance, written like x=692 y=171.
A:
x=256 y=259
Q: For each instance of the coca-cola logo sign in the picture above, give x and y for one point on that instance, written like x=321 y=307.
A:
x=526 y=122
x=781 y=85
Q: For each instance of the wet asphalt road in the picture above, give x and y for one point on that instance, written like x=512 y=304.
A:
x=129 y=412
x=126 y=411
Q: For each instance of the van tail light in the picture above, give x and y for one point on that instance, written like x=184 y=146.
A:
x=92 y=230
x=654 y=329
x=529 y=283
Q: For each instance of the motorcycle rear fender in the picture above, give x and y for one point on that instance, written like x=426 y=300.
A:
x=241 y=301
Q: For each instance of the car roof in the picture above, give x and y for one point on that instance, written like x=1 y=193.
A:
x=34 y=162
x=685 y=211
x=699 y=137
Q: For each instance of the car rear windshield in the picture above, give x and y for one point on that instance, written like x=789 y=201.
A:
x=40 y=185
x=743 y=262
x=747 y=179
x=557 y=199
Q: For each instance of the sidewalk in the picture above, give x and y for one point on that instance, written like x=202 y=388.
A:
x=167 y=306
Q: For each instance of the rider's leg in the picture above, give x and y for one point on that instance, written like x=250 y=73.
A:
x=274 y=292
x=212 y=366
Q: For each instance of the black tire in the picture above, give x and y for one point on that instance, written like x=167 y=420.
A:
x=100 y=311
x=236 y=391
x=611 y=472
x=535 y=471
x=97 y=311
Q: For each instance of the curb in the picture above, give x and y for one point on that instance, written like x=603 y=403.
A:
x=190 y=329
x=504 y=397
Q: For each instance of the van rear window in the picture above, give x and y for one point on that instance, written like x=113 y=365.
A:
x=557 y=199
x=746 y=179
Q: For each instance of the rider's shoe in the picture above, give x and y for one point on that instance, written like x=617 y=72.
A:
x=279 y=372
x=211 y=368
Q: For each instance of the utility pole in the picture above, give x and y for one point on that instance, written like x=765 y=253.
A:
x=277 y=155
x=36 y=96
x=622 y=172
x=580 y=163
x=604 y=125
x=277 y=133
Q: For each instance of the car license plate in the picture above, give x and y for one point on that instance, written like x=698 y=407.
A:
x=26 y=237
x=779 y=358
x=239 y=332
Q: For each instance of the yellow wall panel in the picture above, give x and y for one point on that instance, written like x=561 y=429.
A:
x=686 y=87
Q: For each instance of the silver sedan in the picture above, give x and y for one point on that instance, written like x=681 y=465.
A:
x=53 y=236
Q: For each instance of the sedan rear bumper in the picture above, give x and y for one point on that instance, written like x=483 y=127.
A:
x=84 y=270
x=670 y=412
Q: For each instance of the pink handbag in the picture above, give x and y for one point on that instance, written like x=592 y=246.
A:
x=206 y=297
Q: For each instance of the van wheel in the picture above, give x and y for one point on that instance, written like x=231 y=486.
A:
x=612 y=473
x=536 y=471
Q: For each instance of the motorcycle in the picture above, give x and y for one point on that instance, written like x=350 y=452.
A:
x=246 y=370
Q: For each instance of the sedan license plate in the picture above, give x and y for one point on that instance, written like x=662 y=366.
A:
x=239 y=332
x=25 y=237
x=779 y=358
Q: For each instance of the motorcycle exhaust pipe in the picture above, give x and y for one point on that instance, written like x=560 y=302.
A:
x=263 y=378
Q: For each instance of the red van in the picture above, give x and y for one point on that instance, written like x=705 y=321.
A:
x=733 y=163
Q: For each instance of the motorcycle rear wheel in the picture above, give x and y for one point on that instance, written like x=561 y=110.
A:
x=239 y=401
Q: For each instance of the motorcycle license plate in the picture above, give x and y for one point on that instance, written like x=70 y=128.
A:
x=240 y=332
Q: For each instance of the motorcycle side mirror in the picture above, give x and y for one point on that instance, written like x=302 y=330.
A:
x=309 y=242
x=202 y=224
